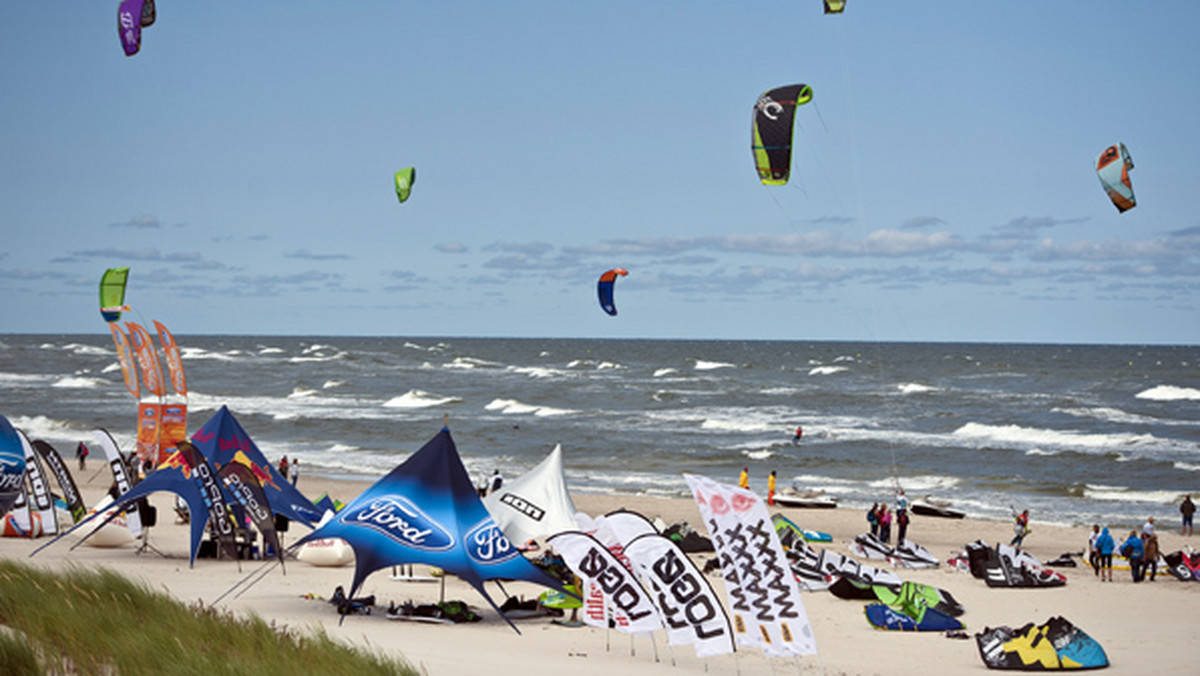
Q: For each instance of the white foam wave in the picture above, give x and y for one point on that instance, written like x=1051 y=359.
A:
x=1170 y=393
x=49 y=429
x=914 y=485
x=658 y=373
x=79 y=382
x=605 y=365
x=1123 y=494
x=758 y=455
x=330 y=384
x=1038 y=438
x=79 y=348
x=111 y=368
x=702 y=365
x=914 y=388
x=24 y=378
x=540 y=372
x=737 y=425
x=270 y=350
x=1106 y=414
x=419 y=399
x=193 y=353
x=1039 y=451
x=343 y=448
x=470 y=363
x=826 y=370
x=514 y=407
x=299 y=392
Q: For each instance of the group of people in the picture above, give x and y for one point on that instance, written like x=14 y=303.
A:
x=744 y=482
x=490 y=484
x=290 y=469
x=880 y=519
x=1140 y=548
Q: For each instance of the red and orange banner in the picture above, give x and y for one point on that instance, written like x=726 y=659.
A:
x=149 y=431
x=147 y=359
x=125 y=358
x=174 y=363
x=173 y=420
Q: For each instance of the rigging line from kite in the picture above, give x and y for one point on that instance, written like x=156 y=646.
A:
x=262 y=571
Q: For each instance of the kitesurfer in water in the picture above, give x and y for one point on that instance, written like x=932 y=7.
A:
x=744 y=479
x=497 y=481
x=771 y=488
x=799 y=433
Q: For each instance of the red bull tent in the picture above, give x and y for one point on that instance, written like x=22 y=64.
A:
x=223 y=440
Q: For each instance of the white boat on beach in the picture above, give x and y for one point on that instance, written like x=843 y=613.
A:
x=805 y=499
x=927 y=506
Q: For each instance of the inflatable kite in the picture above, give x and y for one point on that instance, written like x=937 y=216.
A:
x=404 y=179
x=1057 y=644
x=132 y=17
x=835 y=6
x=112 y=293
x=605 y=289
x=1113 y=169
x=774 y=113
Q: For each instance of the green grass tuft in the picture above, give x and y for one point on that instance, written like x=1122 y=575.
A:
x=98 y=622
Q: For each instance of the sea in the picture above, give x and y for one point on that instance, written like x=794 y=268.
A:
x=1078 y=434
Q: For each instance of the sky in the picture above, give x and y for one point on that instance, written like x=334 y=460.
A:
x=943 y=182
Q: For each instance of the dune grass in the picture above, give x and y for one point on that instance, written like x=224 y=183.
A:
x=98 y=622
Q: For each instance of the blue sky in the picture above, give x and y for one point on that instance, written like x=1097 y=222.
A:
x=943 y=183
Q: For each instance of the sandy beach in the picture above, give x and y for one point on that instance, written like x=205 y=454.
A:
x=1143 y=627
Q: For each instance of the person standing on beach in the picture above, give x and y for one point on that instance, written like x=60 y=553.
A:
x=771 y=488
x=1150 y=562
x=1133 y=550
x=885 y=524
x=81 y=452
x=1187 y=509
x=283 y=468
x=744 y=479
x=497 y=481
x=1148 y=528
x=873 y=519
x=294 y=469
x=1104 y=548
x=901 y=501
x=1093 y=552
x=902 y=526
x=1021 y=528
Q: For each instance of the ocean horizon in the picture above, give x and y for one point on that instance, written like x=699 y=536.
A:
x=1077 y=433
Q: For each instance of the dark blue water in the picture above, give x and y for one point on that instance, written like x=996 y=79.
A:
x=1076 y=433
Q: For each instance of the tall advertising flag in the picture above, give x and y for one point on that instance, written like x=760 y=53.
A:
x=174 y=413
x=125 y=358
x=149 y=443
x=763 y=595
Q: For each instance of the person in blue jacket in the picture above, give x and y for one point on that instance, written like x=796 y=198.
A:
x=1132 y=549
x=1104 y=548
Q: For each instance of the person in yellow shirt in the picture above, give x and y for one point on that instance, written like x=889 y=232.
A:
x=744 y=480
x=771 y=488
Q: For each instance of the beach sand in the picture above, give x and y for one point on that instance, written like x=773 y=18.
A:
x=1144 y=628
